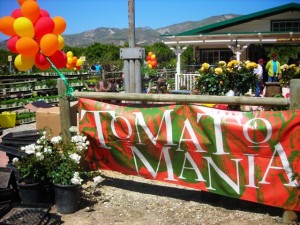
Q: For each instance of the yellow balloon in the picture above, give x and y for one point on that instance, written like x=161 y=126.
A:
x=79 y=62
x=153 y=56
x=69 y=59
x=23 y=63
x=69 y=54
x=24 y=27
x=61 y=42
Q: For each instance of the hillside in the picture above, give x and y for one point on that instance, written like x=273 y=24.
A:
x=143 y=35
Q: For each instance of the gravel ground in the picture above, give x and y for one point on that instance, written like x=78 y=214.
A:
x=131 y=200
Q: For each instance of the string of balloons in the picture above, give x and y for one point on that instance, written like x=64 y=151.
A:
x=34 y=35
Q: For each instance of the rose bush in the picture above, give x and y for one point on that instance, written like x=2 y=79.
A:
x=218 y=80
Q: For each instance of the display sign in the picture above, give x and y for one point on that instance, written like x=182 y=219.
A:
x=246 y=155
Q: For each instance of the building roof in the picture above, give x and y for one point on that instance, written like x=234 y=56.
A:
x=239 y=20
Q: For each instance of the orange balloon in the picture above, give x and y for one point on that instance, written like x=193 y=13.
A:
x=23 y=63
x=22 y=1
x=60 y=25
x=27 y=46
x=49 y=44
x=24 y=27
x=31 y=10
x=74 y=59
x=150 y=53
x=7 y=25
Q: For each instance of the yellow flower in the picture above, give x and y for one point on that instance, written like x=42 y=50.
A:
x=218 y=71
x=229 y=70
x=284 y=67
x=222 y=64
x=232 y=63
x=251 y=65
x=205 y=66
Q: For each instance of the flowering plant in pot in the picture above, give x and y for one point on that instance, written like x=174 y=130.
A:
x=49 y=160
x=33 y=169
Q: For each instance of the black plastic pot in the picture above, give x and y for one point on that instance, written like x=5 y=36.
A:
x=30 y=193
x=66 y=198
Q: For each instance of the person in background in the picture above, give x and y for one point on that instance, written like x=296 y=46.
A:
x=273 y=68
x=259 y=77
x=103 y=86
x=97 y=68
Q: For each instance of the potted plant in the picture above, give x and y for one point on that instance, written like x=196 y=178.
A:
x=50 y=160
x=33 y=171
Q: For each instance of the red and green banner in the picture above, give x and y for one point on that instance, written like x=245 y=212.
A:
x=246 y=155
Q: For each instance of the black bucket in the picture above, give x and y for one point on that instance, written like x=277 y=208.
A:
x=66 y=198
x=31 y=193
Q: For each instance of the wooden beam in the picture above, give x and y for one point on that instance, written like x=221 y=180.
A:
x=209 y=99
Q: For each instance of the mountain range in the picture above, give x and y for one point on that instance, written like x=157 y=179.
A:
x=143 y=35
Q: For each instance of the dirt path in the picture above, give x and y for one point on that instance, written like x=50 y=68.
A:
x=130 y=200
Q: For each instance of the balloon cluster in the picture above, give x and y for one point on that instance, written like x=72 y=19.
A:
x=34 y=36
x=151 y=60
x=73 y=62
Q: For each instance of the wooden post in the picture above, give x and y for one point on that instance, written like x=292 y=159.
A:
x=295 y=94
x=288 y=215
x=65 y=111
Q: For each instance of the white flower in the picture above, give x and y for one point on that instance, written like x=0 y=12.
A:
x=48 y=149
x=15 y=160
x=56 y=140
x=76 y=178
x=29 y=149
x=75 y=157
x=39 y=156
x=97 y=179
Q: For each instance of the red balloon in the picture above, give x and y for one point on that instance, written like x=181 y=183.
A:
x=59 y=59
x=11 y=44
x=44 y=13
x=16 y=13
x=44 y=25
x=41 y=62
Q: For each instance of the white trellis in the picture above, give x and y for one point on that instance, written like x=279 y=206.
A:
x=186 y=81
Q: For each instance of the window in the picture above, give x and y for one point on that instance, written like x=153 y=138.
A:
x=285 y=25
x=213 y=56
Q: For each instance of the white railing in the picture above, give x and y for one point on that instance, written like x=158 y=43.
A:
x=186 y=81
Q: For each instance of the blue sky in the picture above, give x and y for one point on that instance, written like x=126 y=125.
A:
x=82 y=15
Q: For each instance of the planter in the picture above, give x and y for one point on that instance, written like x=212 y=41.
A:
x=30 y=193
x=66 y=198
x=273 y=89
x=8 y=120
x=36 y=193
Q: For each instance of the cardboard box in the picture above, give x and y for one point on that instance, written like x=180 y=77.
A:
x=50 y=118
